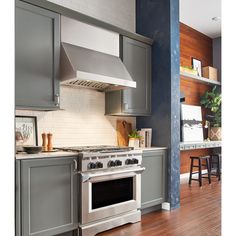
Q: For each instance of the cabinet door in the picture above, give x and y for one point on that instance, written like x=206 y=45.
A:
x=49 y=196
x=37 y=47
x=153 y=178
x=136 y=57
x=17 y=199
x=71 y=233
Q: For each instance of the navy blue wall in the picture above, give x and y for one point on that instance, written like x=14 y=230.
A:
x=217 y=55
x=159 y=20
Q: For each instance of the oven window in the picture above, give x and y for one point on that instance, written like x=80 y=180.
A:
x=111 y=192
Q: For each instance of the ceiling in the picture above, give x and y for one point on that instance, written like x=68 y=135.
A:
x=198 y=14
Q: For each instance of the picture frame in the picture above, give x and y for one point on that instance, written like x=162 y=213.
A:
x=191 y=122
x=197 y=65
x=26 y=131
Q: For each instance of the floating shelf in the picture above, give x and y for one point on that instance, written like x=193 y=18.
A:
x=189 y=77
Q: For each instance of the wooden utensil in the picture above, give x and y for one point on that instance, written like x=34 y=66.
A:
x=123 y=128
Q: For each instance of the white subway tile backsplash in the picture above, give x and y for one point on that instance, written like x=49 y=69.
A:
x=82 y=122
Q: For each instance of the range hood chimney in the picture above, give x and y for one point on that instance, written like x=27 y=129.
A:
x=82 y=67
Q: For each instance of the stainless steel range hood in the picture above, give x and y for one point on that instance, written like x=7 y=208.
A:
x=82 y=67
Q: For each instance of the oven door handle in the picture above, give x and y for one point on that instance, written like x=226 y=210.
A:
x=87 y=177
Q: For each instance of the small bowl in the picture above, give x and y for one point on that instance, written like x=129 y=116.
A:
x=32 y=149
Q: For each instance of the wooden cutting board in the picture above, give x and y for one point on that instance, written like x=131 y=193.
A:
x=123 y=128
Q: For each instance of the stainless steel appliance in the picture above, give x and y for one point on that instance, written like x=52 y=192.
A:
x=87 y=68
x=110 y=185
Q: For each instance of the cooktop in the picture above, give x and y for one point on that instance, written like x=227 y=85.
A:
x=100 y=148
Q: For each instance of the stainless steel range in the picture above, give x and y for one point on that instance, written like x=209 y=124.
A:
x=110 y=185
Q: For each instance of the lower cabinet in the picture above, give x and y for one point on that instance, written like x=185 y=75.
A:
x=71 y=233
x=153 y=184
x=48 y=197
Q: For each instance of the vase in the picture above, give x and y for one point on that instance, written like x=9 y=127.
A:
x=215 y=133
x=134 y=142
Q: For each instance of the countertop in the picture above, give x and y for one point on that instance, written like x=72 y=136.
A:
x=22 y=156
x=152 y=148
x=199 y=145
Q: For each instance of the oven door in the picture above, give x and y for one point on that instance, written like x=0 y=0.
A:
x=106 y=194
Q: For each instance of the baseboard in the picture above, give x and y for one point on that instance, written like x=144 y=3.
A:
x=165 y=206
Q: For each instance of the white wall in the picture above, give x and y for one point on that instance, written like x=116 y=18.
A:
x=117 y=12
x=82 y=122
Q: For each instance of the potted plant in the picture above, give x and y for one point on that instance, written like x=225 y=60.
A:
x=212 y=100
x=134 y=139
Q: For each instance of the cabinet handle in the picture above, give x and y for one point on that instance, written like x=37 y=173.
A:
x=76 y=165
x=57 y=99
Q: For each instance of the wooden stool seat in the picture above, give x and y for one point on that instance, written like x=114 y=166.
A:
x=199 y=160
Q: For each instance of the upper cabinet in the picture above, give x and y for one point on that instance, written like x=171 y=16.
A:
x=136 y=56
x=37 y=51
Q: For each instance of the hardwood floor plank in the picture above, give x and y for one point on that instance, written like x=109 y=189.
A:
x=199 y=215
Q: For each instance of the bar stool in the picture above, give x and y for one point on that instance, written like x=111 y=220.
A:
x=215 y=159
x=199 y=166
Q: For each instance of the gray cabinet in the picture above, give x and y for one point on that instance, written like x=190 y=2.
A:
x=71 y=233
x=136 y=57
x=49 y=196
x=37 y=49
x=153 y=184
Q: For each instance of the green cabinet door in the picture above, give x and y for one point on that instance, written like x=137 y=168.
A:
x=136 y=57
x=49 y=196
x=37 y=48
x=153 y=184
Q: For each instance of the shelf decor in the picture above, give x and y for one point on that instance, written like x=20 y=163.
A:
x=210 y=72
x=188 y=69
x=26 y=131
x=191 y=120
x=197 y=65
x=212 y=100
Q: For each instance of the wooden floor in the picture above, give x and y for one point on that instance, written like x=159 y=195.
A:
x=199 y=214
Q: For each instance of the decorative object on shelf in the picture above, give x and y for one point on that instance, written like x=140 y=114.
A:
x=209 y=72
x=123 y=129
x=191 y=120
x=206 y=131
x=49 y=145
x=212 y=100
x=134 y=139
x=188 y=69
x=145 y=137
x=26 y=131
x=197 y=65
x=44 y=142
x=215 y=133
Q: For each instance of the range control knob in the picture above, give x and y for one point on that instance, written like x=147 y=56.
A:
x=135 y=161
x=118 y=163
x=128 y=161
x=111 y=164
x=99 y=165
x=91 y=165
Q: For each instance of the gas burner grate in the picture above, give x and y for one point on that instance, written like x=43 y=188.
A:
x=102 y=149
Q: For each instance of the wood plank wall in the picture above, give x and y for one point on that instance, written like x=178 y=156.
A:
x=197 y=45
